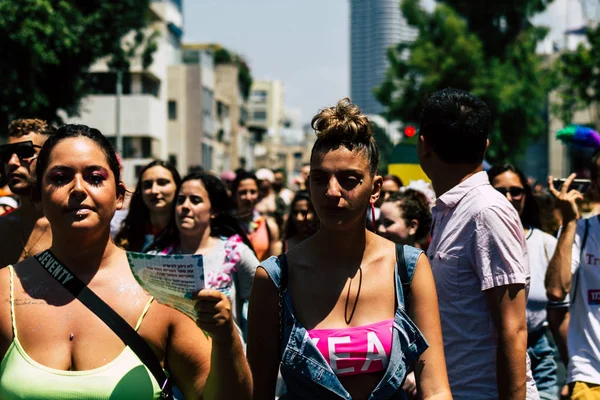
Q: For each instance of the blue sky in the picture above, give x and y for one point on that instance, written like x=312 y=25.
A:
x=305 y=44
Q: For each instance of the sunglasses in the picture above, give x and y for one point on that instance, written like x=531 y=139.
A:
x=515 y=192
x=24 y=150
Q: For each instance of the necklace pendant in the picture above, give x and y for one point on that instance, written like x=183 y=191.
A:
x=71 y=336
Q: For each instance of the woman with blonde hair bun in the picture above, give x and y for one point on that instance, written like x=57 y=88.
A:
x=345 y=313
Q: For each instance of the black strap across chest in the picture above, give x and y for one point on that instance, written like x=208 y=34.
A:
x=110 y=317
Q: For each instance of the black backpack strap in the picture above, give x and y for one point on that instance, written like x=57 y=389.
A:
x=114 y=321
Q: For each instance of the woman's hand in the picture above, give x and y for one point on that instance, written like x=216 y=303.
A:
x=566 y=200
x=214 y=313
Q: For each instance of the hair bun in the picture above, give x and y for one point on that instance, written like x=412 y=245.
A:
x=343 y=122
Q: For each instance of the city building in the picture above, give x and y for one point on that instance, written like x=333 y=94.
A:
x=139 y=114
x=191 y=110
x=265 y=120
x=232 y=115
x=375 y=26
x=296 y=144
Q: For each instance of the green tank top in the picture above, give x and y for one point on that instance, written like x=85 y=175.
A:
x=21 y=377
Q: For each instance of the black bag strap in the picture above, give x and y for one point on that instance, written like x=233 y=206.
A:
x=114 y=321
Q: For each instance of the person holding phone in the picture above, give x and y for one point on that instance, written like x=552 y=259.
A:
x=511 y=182
x=574 y=269
x=25 y=231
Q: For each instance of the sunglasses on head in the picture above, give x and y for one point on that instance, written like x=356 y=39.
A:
x=515 y=192
x=23 y=150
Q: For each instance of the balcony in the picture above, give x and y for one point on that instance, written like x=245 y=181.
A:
x=141 y=115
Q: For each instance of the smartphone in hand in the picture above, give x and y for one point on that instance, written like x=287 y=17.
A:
x=581 y=185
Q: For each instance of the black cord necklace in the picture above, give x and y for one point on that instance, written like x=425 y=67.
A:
x=348 y=320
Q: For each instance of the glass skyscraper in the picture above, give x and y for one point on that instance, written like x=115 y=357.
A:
x=375 y=25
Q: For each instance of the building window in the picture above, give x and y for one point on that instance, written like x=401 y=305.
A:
x=172 y=105
x=207 y=102
x=173 y=159
x=259 y=96
x=222 y=110
x=106 y=83
x=150 y=86
x=206 y=156
x=191 y=57
x=137 y=147
x=259 y=115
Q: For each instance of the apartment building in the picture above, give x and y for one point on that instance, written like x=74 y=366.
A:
x=191 y=110
x=265 y=118
x=139 y=115
x=231 y=119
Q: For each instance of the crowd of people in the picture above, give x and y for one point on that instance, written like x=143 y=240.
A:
x=337 y=283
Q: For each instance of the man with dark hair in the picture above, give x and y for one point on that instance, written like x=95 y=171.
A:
x=25 y=231
x=478 y=254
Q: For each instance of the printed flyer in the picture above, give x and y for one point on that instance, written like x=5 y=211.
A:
x=169 y=278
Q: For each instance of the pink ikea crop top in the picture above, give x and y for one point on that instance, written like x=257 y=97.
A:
x=356 y=350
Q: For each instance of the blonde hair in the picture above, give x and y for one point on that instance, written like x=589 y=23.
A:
x=345 y=125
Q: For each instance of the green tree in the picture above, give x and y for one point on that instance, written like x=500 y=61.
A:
x=48 y=46
x=499 y=67
x=578 y=78
x=224 y=56
x=385 y=146
x=498 y=23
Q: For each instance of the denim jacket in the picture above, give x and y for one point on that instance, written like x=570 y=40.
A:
x=306 y=372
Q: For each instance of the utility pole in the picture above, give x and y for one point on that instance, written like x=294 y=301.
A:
x=118 y=137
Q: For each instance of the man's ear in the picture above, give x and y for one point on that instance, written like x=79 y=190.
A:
x=376 y=190
x=121 y=192
x=423 y=147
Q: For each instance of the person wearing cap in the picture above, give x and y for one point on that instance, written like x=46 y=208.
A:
x=267 y=203
x=25 y=231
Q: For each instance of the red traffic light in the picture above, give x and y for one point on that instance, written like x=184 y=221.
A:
x=410 y=131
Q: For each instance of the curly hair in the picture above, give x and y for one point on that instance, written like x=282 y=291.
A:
x=414 y=206
x=343 y=125
x=22 y=127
